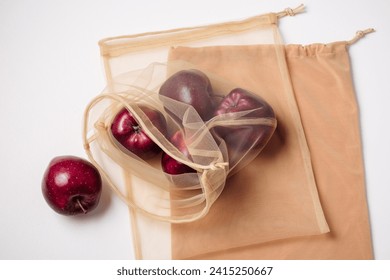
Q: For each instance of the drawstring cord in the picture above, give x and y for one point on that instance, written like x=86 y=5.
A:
x=360 y=34
x=291 y=12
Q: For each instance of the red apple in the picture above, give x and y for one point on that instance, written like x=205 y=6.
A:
x=71 y=185
x=240 y=138
x=172 y=166
x=192 y=87
x=130 y=134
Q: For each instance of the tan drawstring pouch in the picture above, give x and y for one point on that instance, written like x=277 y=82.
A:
x=323 y=89
x=274 y=205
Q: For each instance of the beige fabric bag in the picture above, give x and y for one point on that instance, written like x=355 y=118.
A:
x=323 y=88
x=275 y=207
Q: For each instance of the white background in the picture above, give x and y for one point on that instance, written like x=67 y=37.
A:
x=50 y=68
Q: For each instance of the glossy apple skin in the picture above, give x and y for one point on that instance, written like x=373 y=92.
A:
x=130 y=134
x=172 y=166
x=71 y=185
x=241 y=138
x=192 y=87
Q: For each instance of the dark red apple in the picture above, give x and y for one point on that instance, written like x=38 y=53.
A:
x=192 y=87
x=169 y=164
x=130 y=134
x=241 y=138
x=71 y=185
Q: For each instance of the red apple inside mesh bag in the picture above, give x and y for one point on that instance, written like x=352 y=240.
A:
x=211 y=129
x=240 y=121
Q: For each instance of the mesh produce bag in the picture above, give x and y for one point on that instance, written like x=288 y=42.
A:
x=244 y=195
x=208 y=150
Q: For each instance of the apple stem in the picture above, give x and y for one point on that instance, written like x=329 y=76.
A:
x=81 y=206
x=137 y=128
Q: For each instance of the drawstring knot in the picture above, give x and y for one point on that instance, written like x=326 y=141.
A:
x=360 y=34
x=216 y=166
x=291 y=12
